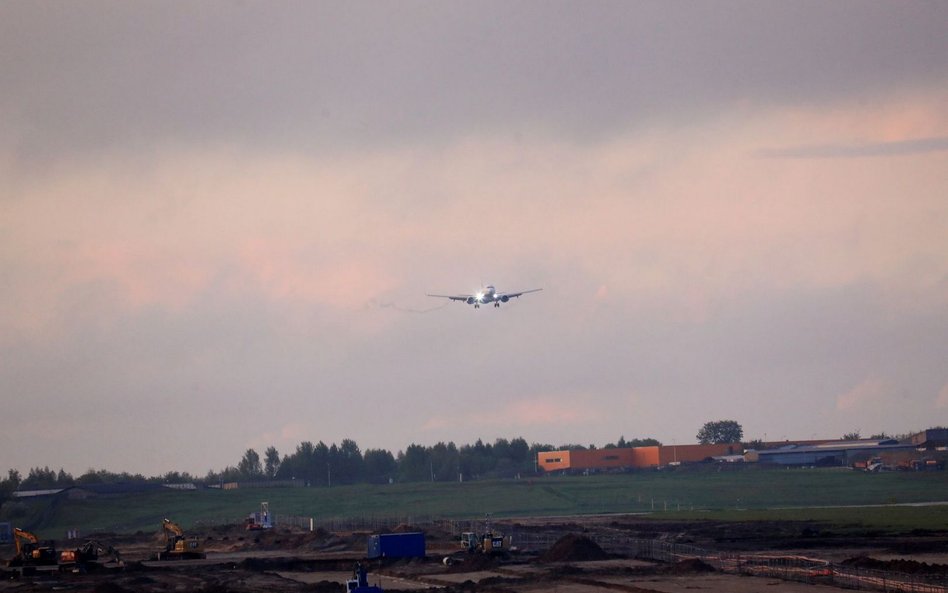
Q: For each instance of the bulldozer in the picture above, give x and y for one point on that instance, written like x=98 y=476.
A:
x=179 y=547
x=30 y=553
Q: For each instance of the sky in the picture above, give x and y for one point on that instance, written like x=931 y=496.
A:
x=219 y=222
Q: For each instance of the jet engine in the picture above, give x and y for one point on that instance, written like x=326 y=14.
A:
x=470 y=300
x=504 y=298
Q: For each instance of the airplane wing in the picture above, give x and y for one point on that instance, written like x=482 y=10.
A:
x=453 y=297
x=511 y=295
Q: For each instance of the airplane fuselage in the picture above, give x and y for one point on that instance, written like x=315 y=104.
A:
x=488 y=295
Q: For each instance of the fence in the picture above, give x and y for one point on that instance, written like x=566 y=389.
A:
x=791 y=568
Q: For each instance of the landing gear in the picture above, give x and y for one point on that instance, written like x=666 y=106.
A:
x=496 y=304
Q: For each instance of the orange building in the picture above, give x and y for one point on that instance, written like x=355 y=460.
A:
x=634 y=457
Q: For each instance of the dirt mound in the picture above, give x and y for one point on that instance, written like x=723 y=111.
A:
x=110 y=587
x=326 y=587
x=903 y=566
x=574 y=548
x=473 y=563
x=690 y=566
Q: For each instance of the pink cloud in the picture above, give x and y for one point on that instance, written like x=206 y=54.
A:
x=869 y=390
x=942 y=400
x=526 y=413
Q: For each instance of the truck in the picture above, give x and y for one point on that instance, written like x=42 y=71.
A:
x=396 y=545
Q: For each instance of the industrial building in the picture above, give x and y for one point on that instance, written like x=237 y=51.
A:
x=579 y=460
x=831 y=453
x=926 y=449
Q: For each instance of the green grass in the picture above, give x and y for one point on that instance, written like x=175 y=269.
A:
x=681 y=495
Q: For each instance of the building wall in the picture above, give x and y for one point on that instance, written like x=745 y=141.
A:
x=552 y=461
x=695 y=453
x=634 y=457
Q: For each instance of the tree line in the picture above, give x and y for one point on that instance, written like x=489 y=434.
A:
x=319 y=464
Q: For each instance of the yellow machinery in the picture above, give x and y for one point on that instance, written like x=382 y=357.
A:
x=29 y=551
x=179 y=547
x=485 y=543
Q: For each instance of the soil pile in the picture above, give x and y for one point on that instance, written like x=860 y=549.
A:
x=903 y=566
x=574 y=548
x=473 y=563
x=690 y=566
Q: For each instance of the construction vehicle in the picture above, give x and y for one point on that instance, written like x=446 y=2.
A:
x=91 y=555
x=261 y=520
x=873 y=464
x=359 y=583
x=488 y=542
x=30 y=553
x=179 y=547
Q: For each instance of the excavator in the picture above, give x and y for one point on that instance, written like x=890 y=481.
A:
x=91 y=555
x=179 y=547
x=30 y=553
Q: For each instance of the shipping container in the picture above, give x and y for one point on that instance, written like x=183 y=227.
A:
x=397 y=545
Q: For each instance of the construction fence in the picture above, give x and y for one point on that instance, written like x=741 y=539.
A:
x=789 y=568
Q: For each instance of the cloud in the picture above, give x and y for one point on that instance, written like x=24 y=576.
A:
x=866 y=393
x=220 y=249
x=524 y=414
x=879 y=149
x=341 y=78
x=942 y=400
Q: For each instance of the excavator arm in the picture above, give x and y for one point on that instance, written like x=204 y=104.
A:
x=21 y=537
x=171 y=527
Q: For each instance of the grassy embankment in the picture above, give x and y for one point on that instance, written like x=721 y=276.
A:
x=677 y=495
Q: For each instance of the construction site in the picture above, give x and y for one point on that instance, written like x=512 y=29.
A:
x=577 y=555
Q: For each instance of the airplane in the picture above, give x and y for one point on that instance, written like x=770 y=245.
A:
x=488 y=295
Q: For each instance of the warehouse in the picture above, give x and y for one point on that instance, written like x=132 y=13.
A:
x=831 y=453
x=579 y=460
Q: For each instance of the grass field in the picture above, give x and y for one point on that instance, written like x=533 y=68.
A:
x=796 y=494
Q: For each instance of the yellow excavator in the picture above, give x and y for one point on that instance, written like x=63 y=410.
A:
x=179 y=547
x=30 y=552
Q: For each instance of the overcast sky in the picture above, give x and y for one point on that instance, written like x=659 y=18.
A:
x=219 y=222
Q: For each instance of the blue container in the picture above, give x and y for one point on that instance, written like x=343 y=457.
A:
x=397 y=545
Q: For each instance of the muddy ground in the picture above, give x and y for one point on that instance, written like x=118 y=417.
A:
x=548 y=555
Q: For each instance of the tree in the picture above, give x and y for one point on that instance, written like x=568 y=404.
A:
x=852 y=436
x=380 y=466
x=271 y=462
x=755 y=444
x=721 y=431
x=249 y=466
x=413 y=464
x=9 y=485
